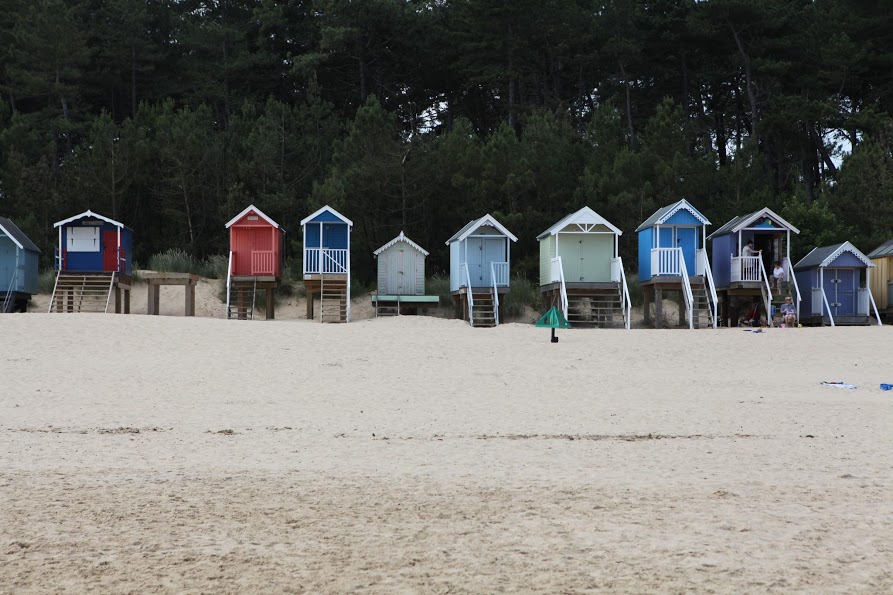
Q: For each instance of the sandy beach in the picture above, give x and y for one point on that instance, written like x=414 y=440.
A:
x=417 y=455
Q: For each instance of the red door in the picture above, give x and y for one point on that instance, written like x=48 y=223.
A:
x=110 y=250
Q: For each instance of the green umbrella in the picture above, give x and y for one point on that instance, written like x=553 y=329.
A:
x=553 y=319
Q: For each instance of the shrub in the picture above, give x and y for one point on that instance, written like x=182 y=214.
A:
x=636 y=295
x=522 y=294
x=47 y=281
x=439 y=285
x=177 y=260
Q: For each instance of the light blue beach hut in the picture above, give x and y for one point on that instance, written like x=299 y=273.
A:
x=672 y=257
x=18 y=267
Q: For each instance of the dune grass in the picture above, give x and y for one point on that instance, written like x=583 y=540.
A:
x=177 y=260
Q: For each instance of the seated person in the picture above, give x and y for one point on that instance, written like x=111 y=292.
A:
x=777 y=275
x=789 y=312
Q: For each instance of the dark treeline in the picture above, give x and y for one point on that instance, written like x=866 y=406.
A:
x=173 y=115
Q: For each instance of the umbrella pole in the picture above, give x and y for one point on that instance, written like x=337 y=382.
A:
x=554 y=338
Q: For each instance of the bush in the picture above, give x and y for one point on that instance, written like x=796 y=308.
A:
x=440 y=286
x=47 y=281
x=636 y=295
x=522 y=294
x=177 y=260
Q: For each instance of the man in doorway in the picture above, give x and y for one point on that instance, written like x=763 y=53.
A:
x=750 y=270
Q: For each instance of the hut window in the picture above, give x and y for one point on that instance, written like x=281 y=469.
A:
x=83 y=239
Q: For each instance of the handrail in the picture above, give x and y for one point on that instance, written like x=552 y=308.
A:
x=562 y=286
x=827 y=305
x=708 y=274
x=108 y=299
x=469 y=294
x=627 y=302
x=745 y=268
x=796 y=288
x=767 y=295
x=319 y=261
x=665 y=261
x=495 y=293
x=873 y=305
x=686 y=288
x=53 y=297
x=7 y=299
x=348 y=288
x=229 y=273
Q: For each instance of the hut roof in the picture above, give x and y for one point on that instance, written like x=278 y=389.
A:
x=584 y=216
x=475 y=224
x=259 y=213
x=661 y=215
x=89 y=213
x=400 y=238
x=17 y=235
x=882 y=251
x=321 y=210
x=824 y=256
x=742 y=221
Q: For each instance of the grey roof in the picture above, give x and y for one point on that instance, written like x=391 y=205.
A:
x=659 y=214
x=822 y=257
x=882 y=251
x=18 y=235
x=738 y=223
x=728 y=227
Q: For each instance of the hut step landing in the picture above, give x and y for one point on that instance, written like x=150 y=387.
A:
x=83 y=292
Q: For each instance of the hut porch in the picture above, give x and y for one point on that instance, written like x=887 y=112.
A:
x=90 y=292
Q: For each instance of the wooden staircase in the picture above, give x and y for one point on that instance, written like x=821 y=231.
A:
x=242 y=300
x=595 y=308
x=701 y=307
x=82 y=292
x=333 y=299
x=483 y=309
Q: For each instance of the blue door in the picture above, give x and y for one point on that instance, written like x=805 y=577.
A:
x=475 y=261
x=840 y=289
x=493 y=252
x=686 y=238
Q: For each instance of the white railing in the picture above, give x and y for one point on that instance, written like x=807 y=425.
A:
x=862 y=301
x=495 y=294
x=625 y=302
x=348 y=288
x=876 y=313
x=792 y=279
x=7 y=300
x=558 y=275
x=765 y=290
x=746 y=268
x=108 y=300
x=827 y=305
x=666 y=261
x=319 y=261
x=53 y=297
x=468 y=293
x=229 y=274
x=686 y=287
x=262 y=262
x=701 y=262
x=500 y=272
x=707 y=272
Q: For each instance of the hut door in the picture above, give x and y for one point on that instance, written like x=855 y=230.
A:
x=110 y=250
x=475 y=261
x=400 y=269
x=596 y=251
x=686 y=238
x=494 y=251
x=840 y=287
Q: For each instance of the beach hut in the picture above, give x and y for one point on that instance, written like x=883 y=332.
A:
x=479 y=269
x=327 y=263
x=401 y=278
x=255 y=262
x=18 y=268
x=581 y=271
x=93 y=262
x=749 y=277
x=882 y=277
x=835 y=281
x=673 y=258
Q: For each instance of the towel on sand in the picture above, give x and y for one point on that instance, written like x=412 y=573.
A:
x=839 y=385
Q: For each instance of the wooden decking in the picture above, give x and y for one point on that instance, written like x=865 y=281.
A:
x=154 y=282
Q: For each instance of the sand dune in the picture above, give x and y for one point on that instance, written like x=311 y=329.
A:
x=169 y=454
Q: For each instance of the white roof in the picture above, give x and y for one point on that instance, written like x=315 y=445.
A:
x=766 y=212
x=259 y=213
x=476 y=224
x=329 y=209
x=583 y=217
x=88 y=214
x=400 y=238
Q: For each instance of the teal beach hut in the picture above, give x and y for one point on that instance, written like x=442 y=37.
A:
x=18 y=267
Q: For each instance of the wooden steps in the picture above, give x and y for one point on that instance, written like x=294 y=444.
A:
x=483 y=312
x=595 y=308
x=82 y=292
x=242 y=300
x=333 y=300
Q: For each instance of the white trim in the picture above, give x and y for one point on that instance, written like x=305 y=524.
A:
x=485 y=220
x=683 y=204
x=11 y=237
x=584 y=216
x=845 y=247
x=324 y=209
x=400 y=238
x=765 y=212
x=86 y=214
x=250 y=208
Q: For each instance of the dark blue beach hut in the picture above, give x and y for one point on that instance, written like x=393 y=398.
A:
x=93 y=261
x=749 y=276
x=327 y=263
x=18 y=267
x=672 y=257
x=836 y=283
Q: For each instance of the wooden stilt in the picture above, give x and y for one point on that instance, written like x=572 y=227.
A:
x=658 y=307
x=127 y=301
x=271 y=304
x=190 y=300
x=117 y=299
x=647 y=292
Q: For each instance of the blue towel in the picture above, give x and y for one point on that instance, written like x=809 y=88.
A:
x=887 y=387
x=839 y=385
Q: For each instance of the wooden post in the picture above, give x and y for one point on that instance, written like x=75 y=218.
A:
x=309 y=303
x=117 y=299
x=646 y=303
x=241 y=304
x=190 y=299
x=70 y=294
x=127 y=301
x=271 y=304
x=59 y=301
x=683 y=313
x=658 y=306
x=153 y=306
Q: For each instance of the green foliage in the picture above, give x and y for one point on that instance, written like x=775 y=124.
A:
x=523 y=294
x=439 y=285
x=177 y=260
x=46 y=282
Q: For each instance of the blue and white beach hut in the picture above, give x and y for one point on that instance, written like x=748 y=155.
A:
x=836 y=282
x=18 y=267
x=672 y=257
x=327 y=263
x=94 y=261
x=750 y=276
x=479 y=269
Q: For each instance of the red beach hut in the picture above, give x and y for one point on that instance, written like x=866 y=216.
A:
x=255 y=261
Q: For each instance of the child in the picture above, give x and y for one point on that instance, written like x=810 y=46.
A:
x=778 y=275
